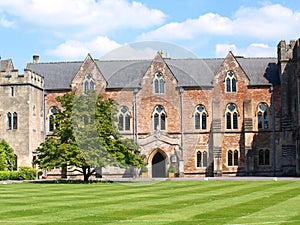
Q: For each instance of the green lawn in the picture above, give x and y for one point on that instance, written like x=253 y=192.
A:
x=165 y=202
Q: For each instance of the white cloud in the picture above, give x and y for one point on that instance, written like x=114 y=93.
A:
x=89 y=16
x=76 y=50
x=253 y=50
x=6 y=23
x=270 y=22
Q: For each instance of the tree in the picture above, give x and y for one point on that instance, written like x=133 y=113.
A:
x=86 y=137
x=7 y=156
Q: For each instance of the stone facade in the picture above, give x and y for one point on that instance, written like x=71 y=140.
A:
x=207 y=117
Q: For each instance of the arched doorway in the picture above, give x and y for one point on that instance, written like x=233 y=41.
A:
x=158 y=165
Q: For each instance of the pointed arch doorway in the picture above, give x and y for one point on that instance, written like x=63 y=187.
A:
x=158 y=165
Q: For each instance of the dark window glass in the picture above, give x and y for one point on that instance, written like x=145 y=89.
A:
x=233 y=81
x=199 y=159
x=162 y=86
x=203 y=121
x=235 y=121
x=229 y=158
x=261 y=157
x=156 y=118
x=267 y=157
x=51 y=123
x=163 y=121
x=127 y=122
x=236 y=157
x=259 y=118
x=266 y=120
x=228 y=89
x=8 y=121
x=156 y=86
x=205 y=159
x=197 y=121
x=228 y=120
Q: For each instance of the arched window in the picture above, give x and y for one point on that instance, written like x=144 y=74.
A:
x=88 y=83
x=230 y=82
x=229 y=158
x=263 y=116
x=124 y=119
x=159 y=84
x=201 y=159
x=264 y=157
x=200 y=118
x=15 y=121
x=51 y=119
x=236 y=158
x=233 y=158
x=159 y=118
x=8 y=121
x=231 y=117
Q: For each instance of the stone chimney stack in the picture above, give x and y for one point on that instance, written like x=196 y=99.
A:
x=36 y=58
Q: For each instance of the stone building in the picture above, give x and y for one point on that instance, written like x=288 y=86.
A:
x=208 y=117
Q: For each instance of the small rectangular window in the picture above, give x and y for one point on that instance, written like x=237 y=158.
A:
x=12 y=91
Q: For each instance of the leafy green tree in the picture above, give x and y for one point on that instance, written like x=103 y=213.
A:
x=7 y=157
x=87 y=137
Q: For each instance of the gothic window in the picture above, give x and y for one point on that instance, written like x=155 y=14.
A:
x=233 y=158
x=263 y=116
x=159 y=118
x=88 y=84
x=8 y=121
x=229 y=158
x=201 y=160
x=11 y=121
x=230 y=81
x=51 y=118
x=15 y=121
x=124 y=119
x=264 y=157
x=159 y=84
x=231 y=117
x=200 y=118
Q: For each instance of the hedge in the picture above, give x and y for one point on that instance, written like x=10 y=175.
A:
x=24 y=173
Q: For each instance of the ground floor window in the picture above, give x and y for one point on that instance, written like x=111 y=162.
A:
x=264 y=157
x=232 y=158
x=201 y=159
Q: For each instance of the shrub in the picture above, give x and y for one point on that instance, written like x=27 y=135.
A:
x=26 y=173
x=5 y=175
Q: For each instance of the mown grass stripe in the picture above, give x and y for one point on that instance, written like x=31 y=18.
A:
x=169 y=202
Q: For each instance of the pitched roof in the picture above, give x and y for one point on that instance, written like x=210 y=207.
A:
x=129 y=73
x=57 y=75
x=261 y=71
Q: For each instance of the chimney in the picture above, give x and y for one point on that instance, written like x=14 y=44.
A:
x=35 y=58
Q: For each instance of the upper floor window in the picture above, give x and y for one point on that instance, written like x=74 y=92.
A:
x=201 y=159
x=11 y=121
x=233 y=158
x=159 y=118
x=159 y=84
x=124 y=119
x=200 y=118
x=263 y=116
x=88 y=83
x=51 y=118
x=231 y=117
x=230 y=81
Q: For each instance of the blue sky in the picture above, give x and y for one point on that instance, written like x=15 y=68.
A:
x=66 y=30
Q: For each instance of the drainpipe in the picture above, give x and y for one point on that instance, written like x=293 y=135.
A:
x=181 y=160
x=273 y=129
x=136 y=137
x=45 y=114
